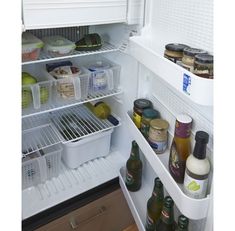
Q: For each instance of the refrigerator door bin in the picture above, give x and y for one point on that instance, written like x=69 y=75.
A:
x=159 y=164
x=83 y=150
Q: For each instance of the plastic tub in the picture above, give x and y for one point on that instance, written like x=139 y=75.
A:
x=31 y=47
x=83 y=150
x=57 y=46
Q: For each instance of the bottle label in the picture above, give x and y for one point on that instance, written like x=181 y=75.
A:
x=129 y=179
x=136 y=119
x=176 y=166
x=158 y=146
x=183 y=130
x=195 y=188
x=150 y=225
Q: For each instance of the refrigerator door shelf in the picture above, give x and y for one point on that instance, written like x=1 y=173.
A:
x=198 y=90
x=192 y=208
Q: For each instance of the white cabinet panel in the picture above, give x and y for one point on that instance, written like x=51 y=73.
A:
x=61 y=13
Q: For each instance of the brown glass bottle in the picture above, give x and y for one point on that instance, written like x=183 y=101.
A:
x=182 y=223
x=154 y=205
x=134 y=169
x=180 y=147
x=166 y=221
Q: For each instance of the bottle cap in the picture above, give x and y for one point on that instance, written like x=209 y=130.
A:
x=202 y=137
x=134 y=143
x=183 y=221
x=168 y=202
x=158 y=182
x=183 y=126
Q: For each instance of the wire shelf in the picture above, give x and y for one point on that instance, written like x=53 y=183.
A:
x=28 y=112
x=65 y=125
x=107 y=47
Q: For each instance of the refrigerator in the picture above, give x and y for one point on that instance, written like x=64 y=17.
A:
x=134 y=34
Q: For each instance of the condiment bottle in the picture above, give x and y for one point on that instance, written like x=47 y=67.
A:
x=154 y=205
x=134 y=169
x=180 y=147
x=158 y=135
x=166 y=221
x=203 y=66
x=174 y=51
x=139 y=106
x=147 y=116
x=182 y=223
x=197 y=168
x=189 y=57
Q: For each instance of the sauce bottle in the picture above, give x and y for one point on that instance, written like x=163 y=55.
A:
x=180 y=147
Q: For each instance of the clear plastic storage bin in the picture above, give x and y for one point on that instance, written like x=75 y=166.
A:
x=85 y=149
x=40 y=166
x=104 y=74
x=57 y=46
x=31 y=47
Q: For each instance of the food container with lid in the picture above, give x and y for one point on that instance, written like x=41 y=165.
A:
x=158 y=135
x=203 y=66
x=147 y=116
x=57 y=46
x=139 y=106
x=174 y=51
x=189 y=57
x=31 y=47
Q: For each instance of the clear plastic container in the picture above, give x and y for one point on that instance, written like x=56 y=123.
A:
x=31 y=47
x=57 y=46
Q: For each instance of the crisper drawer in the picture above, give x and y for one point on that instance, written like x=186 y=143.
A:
x=57 y=13
x=107 y=213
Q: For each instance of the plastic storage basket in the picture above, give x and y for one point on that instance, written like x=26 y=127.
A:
x=83 y=150
x=31 y=47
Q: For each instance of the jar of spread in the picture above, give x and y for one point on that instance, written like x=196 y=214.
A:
x=203 y=66
x=139 y=106
x=147 y=116
x=189 y=56
x=174 y=51
x=158 y=135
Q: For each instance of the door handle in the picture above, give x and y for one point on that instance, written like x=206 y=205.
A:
x=74 y=225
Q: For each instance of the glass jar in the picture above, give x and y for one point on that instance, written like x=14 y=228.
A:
x=203 y=66
x=174 y=51
x=147 y=116
x=139 y=106
x=189 y=57
x=158 y=135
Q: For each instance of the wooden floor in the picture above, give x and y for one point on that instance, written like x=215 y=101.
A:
x=132 y=227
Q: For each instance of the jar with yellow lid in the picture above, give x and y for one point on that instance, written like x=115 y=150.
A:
x=189 y=57
x=174 y=51
x=158 y=135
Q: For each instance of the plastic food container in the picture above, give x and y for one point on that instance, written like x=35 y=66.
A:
x=83 y=150
x=31 y=47
x=57 y=46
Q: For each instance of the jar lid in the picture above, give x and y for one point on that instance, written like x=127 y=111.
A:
x=142 y=103
x=183 y=118
x=204 y=58
x=159 y=124
x=193 y=51
x=176 y=47
x=151 y=113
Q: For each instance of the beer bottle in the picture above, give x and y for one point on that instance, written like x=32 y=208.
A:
x=180 y=148
x=154 y=205
x=166 y=221
x=134 y=169
x=182 y=223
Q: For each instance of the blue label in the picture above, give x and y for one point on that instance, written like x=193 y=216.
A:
x=186 y=84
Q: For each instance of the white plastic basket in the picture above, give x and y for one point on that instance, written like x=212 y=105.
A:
x=83 y=150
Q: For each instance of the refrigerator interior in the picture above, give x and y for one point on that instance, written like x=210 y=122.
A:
x=168 y=21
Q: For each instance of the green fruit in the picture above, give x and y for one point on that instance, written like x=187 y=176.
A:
x=26 y=98
x=28 y=79
x=44 y=94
